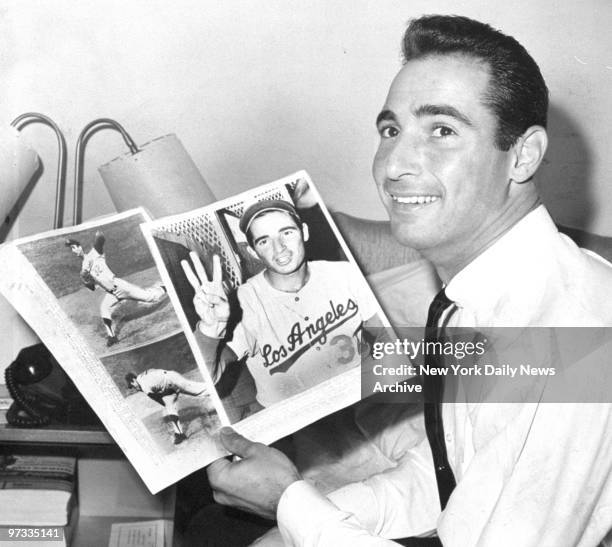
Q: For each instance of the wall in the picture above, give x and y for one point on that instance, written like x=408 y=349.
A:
x=258 y=89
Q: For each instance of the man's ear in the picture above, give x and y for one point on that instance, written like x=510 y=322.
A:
x=305 y=232
x=529 y=152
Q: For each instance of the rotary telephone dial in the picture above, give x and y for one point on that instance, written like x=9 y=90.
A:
x=42 y=392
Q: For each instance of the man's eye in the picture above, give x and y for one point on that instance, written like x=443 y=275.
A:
x=443 y=131
x=262 y=242
x=388 y=132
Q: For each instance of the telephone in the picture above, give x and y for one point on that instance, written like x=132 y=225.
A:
x=42 y=392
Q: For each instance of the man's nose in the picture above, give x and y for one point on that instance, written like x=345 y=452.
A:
x=404 y=157
x=279 y=245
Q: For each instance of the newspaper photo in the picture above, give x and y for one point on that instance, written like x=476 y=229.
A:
x=274 y=307
x=93 y=295
x=249 y=312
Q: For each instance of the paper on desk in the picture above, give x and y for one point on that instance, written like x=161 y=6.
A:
x=150 y=533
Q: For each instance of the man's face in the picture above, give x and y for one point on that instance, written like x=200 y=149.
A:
x=278 y=242
x=438 y=173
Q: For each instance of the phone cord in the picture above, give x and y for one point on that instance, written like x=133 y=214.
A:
x=22 y=403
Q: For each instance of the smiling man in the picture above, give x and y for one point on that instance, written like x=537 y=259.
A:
x=441 y=158
x=301 y=320
x=462 y=133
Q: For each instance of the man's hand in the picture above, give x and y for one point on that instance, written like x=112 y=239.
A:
x=210 y=300
x=254 y=483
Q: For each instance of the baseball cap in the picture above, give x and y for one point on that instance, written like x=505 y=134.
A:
x=259 y=207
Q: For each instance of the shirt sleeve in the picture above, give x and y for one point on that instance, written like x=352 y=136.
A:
x=86 y=265
x=399 y=502
x=325 y=524
x=244 y=336
x=402 y=501
x=216 y=362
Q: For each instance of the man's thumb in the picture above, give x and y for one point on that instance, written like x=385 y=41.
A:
x=234 y=442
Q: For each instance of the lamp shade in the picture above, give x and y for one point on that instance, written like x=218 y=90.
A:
x=18 y=163
x=160 y=176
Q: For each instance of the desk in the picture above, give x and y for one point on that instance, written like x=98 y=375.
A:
x=109 y=490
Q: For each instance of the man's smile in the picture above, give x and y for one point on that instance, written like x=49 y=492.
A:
x=419 y=199
x=283 y=260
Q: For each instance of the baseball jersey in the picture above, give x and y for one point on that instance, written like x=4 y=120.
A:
x=94 y=265
x=156 y=381
x=295 y=340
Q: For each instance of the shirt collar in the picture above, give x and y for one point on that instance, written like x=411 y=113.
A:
x=509 y=274
x=277 y=293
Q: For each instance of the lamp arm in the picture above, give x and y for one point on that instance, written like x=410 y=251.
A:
x=32 y=117
x=86 y=133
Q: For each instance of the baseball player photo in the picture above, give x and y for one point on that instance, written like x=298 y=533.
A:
x=96 y=273
x=164 y=387
x=104 y=269
x=274 y=308
x=302 y=321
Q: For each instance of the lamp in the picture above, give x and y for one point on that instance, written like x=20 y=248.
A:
x=19 y=164
x=159 y=175
x=34 y=117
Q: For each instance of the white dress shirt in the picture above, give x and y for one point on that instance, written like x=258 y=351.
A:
x=528 y=474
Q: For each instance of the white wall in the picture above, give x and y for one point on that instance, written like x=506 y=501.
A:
x=258 y=89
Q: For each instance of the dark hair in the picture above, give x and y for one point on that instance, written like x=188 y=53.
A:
x=129 y=378
x=517 y=93
x=296 y=219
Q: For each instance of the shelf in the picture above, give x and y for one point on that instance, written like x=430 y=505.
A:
x=56 y=435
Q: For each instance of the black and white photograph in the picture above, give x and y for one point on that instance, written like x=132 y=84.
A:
x=453 y=155
x=274 y=303
x=106 y=282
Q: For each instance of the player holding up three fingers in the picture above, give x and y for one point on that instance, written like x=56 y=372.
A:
x=301 y=320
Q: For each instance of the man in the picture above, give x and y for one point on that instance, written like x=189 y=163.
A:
x=301 y=320
x=164 y=387
x=95 y=272
x=462 y=133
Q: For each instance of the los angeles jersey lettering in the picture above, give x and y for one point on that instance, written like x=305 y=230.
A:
x=303 y=336
x=294 y=341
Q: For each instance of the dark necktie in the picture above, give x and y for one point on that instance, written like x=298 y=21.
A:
x=433 y=389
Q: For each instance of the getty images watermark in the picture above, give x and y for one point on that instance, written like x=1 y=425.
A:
x=492 y=365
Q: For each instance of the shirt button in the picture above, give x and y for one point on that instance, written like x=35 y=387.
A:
x=449 y=438
x=318 y=348
x=306 y=318
x=297 y=298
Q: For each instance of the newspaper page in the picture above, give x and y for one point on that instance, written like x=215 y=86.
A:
x=93 y=295
x=295 y=350
x=113 y=301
